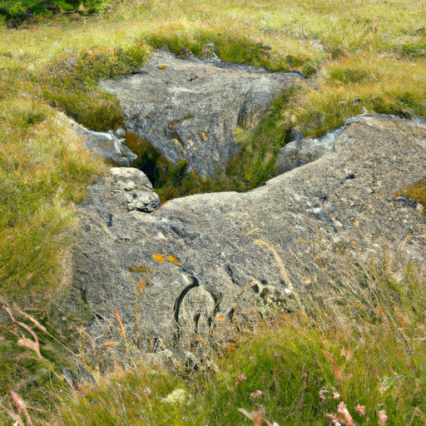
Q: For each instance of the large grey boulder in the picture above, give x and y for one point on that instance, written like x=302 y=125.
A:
x=189 y=108
x=202 y=259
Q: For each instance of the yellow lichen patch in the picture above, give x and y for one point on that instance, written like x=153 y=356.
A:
x=142 y=284
x=140 y=269
x=162 y=67
x=177 y=143
x=158 y=257
x=203 y=136
x=173 y=259
x=356 y=223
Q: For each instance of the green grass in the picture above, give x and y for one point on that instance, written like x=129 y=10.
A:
x=363 y=338
x=70 y=83
x=416 y=191
x=18 y=11
x=357 y=54
x=41 y=175
x=138 y=400
x=38 y=380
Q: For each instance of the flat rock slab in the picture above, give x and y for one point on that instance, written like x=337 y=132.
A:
x=188 y=108
x=194 y=258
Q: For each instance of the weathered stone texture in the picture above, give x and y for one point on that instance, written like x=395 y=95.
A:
x=190 y=108
x=141 y=264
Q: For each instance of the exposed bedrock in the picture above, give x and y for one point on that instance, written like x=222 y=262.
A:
x=193 y=259
x=188 y=108
x=303 y=151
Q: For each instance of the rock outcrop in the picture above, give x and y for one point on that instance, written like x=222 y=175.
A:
x=189 y=108
x=207 y=256
x=303 y=151
x=109 y=146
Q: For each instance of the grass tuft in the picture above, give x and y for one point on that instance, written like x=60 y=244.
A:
x=362 y=343
x=416 y=191
x=70 y=83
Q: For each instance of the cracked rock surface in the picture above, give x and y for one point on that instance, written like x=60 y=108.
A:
x=189 y=108
x=193 y=259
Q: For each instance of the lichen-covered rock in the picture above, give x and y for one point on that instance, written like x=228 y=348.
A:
x=189 y=108
x=205 y=259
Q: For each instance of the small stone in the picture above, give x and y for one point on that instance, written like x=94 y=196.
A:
x=369 y=190
x=145 y=201
x=317 y=211
x=356 y=101
x=364 y=110
x=350 y=176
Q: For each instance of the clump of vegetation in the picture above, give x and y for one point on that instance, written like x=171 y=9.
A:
x=416 y=191
x=43 y=171
x=32 y=348
x=238 y=48
x=16 y=11
x=354 y=354
x=169 y=180
x=70 y=83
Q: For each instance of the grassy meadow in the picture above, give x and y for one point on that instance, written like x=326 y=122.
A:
x=366 y=344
